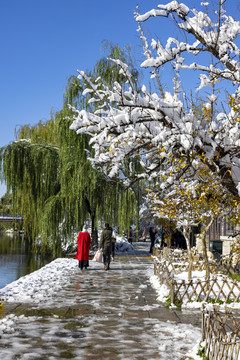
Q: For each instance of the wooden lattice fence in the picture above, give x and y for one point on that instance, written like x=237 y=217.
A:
x=217 y=289
x=221 y=334
x=223 y=289
x=161 y=270
x=178 y=262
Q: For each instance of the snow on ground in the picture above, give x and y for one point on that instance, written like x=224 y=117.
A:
x=170 y=340
x=182 y=336
x=42 y=285
x=161 y=289
x=123 y=246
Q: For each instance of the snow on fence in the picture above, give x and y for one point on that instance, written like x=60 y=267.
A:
x=219 y=288
x=220 y=333
x=177 y=261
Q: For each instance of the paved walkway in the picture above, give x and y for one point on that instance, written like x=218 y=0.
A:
x=110 y=315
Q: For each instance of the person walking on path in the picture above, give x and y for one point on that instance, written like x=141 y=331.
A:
x=152 y=235
x=83 y=241
x=144 y=235
x=106 y=245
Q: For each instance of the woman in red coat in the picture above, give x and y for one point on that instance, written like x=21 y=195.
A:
x=84 y=241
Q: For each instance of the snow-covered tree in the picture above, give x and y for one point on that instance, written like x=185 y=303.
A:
x=162 y=128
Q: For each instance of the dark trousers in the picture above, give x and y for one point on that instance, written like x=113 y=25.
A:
x=152 y=245
x=83 y=263
x=107 y=255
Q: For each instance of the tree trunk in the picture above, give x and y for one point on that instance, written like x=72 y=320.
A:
x=186 y=233
x=93 y=214
x=138 y=209
x=203 y=236
x=168 y=236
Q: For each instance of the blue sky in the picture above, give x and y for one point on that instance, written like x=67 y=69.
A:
x=43 y=42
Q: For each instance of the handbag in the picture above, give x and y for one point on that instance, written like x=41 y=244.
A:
x=98 y=257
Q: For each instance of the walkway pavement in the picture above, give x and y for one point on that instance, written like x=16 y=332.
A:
x=110 y=315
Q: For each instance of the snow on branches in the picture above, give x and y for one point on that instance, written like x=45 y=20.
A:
x=172 y=139
x=215 y=37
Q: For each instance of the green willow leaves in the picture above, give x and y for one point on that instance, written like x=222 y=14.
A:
x=53 y=185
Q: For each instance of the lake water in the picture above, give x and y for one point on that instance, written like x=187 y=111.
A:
x=17 y=259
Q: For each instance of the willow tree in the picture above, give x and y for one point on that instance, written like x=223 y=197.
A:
x=101 y=194
x=29 y=167
x=84 y=189
x=53 y=184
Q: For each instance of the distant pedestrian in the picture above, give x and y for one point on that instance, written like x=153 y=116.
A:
x=106 y=245
x=130 y=236
x=144 y=235
x=83 y=241
x=152 y=235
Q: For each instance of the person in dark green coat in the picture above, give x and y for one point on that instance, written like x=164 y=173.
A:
x=106 y=245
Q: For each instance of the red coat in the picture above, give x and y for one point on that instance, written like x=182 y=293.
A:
x=84 y=242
